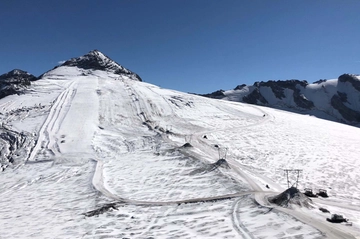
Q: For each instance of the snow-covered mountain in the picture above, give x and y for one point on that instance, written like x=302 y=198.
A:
x=336 y=99
x=96 y=60
x=16 y=81
x=90 y=153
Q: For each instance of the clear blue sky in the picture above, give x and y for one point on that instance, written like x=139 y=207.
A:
x=189 y=45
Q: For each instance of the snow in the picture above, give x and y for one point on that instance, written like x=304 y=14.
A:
x=101 y=137
x=321 y=93
x=237 y=95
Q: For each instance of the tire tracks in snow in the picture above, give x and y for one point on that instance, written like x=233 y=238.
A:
x=239 y=227
x=98 y=182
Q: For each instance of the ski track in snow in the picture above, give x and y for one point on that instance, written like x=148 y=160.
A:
x=134 y=132
x=46 y=141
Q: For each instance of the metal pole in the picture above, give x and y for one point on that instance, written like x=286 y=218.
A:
x=297 y=179
x=287 y=176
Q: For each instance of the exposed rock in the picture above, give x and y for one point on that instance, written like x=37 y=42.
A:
x=301 y=101
x=324 y=210
x=17 y=76
x=14 y=82
x=348 y=114
x=320 y=81
x=278 y=87
x=211 y=167
x=221 y=162
x=239 y=87
x=101 y=210
x=187 y=145
x=351 y=79
x=95 y=60
x=343 y=96
x=291 y=196
x=219 y=94
x=255 y=97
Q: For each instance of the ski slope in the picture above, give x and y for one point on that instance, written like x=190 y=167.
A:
x=97 y=138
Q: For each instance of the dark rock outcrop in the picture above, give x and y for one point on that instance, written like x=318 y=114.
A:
x=352 y=79
x=291 y=196
x=14 y=82
x=17 y=76
x=337 y=101
x=104 y=208
x=219 y=94
x=255 y=97
x=343 y=96
x=320 y=81
x=278 y=87
x=301 y=101
x=95 y=60
x=239 y=87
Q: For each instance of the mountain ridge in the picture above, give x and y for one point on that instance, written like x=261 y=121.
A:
x=333 y=99
x=14 y=81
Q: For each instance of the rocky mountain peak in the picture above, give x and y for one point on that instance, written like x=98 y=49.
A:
x=18 y=72
x=17 y=76
x=14 y=82
x=96 y=60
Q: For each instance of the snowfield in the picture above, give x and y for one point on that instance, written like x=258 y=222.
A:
x=99 y=155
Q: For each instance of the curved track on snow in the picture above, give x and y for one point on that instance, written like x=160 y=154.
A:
x=145 y=113
x=98 y=183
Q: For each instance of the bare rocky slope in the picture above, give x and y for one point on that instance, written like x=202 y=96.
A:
x=14 y=82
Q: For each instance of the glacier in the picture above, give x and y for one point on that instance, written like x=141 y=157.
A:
x=100 y=154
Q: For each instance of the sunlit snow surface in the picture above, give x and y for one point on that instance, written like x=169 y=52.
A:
x=98 y=138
